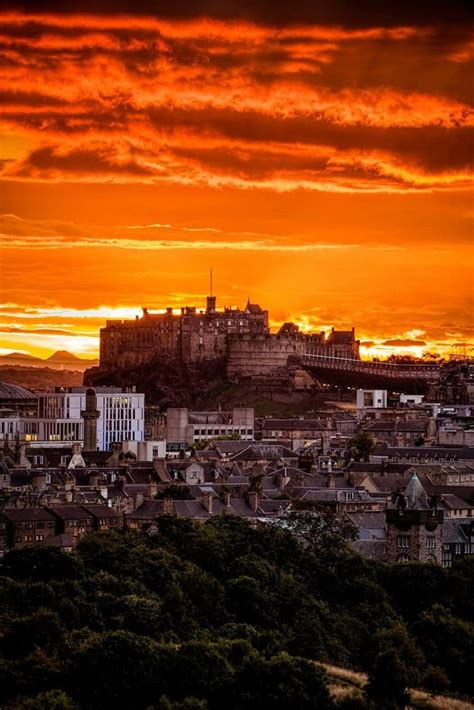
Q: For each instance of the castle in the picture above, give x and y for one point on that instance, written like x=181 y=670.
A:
x=241 y=337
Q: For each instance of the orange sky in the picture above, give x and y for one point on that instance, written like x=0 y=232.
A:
x=318 y=158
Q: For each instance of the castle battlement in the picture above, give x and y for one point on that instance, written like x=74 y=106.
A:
x=241 y=336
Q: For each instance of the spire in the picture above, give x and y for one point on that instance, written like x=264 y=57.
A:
x=415 y=494
x=211 y=300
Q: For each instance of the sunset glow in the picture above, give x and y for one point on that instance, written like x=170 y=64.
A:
x=321 y=166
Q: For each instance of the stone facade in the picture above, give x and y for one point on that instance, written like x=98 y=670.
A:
x=190 y=336
x=251 y=355
x=414 y=527
x=415 y=535
x=241 y=337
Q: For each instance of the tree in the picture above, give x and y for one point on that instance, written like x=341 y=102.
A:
x=41 y=563
x=388 y=681
x=281 y=683
x=360 y=447
x=321 y=531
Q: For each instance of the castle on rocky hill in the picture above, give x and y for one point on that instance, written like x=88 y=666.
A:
x=241 y=337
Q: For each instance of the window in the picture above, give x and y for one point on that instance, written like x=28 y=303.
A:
x=446 y=560
x=403 y=541
x=39 y=538
x=430 y=542
x=403 y=557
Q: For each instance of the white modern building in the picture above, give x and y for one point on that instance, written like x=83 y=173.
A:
x=371 y=399
x=58 y=417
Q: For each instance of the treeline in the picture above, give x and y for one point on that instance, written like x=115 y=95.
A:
x=223 y=615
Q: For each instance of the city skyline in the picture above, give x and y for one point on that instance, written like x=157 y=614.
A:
x=318 y=159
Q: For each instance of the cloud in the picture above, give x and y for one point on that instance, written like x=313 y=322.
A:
x=274 y=12
x=18 y=233
x=404 y=343
x=189 y=100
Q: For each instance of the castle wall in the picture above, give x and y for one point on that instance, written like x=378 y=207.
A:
x=241 y=336
x=253 y=355
x=188 y=337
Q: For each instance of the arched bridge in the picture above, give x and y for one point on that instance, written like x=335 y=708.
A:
x=366 y=374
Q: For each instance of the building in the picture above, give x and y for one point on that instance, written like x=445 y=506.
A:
x=262 y=354
x=25 y=526
x=371 y=399
x=298 y=431
x=414 y=526
x=188 y=336
x=77 y=414
x=186 y=427
x=240 y=337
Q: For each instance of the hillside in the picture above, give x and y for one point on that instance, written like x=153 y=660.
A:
x=40 y=377
x=202 y=616
x=167 y=382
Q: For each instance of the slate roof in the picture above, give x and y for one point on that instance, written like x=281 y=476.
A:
x=415 y=494
x=148 y=510
x=369 y=521
x=457 y=453
x=385 y=468
x=392 y=426
x=102 y=511
x=454 y=502
x=70 y=512
x=294 y=425
x=15 y=392
x=61 y=540
x=19 y=515
x=453 y=532
x=230 y=446
x=268 y=452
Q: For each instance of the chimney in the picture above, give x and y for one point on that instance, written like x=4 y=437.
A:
x=254 y=500
x=152 y=487
x=90 y=416
x=94 y=480
x=168 y=507
x=206 y=500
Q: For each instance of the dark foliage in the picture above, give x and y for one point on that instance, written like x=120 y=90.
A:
x=221 y=614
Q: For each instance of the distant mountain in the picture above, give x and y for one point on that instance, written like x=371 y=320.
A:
x=64 y=356
x=21 y=356
x=61 y=359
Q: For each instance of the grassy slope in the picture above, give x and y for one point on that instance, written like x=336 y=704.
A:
x=345 y=683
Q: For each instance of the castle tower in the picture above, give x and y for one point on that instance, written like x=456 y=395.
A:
x=211 y=299
x=90 y=416
x=414 y=526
